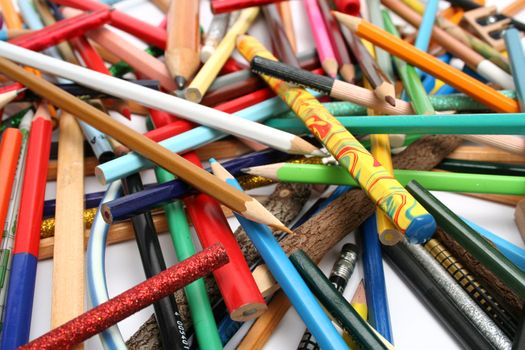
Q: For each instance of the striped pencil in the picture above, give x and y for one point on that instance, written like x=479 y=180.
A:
x=408 y=216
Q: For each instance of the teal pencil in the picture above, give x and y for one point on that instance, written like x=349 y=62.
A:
x=517 y=62
x=435 y=181
x=468 y=124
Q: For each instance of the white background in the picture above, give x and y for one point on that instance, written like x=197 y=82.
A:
x=413 y=325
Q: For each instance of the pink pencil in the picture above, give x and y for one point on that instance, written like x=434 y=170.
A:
x=322 y=40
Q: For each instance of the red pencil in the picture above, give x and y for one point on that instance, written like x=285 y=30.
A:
x=238 y=288
x=142 y=30
x=9 y=152
x=66 y=29
x=221 y=6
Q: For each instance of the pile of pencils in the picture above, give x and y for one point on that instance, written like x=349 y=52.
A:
x=349 y=138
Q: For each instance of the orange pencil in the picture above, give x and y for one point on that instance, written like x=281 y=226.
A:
x=429 y=64
x=9 y=152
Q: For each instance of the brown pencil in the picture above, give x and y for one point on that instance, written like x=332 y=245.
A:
x=68 y=263
x=198 y=178
x=182 y=53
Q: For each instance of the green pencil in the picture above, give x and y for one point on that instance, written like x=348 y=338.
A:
x=473 y=242
x=468 y=124
x=198 y=301
x=435 y=181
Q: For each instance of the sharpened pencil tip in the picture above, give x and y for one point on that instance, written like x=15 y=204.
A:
x=390 y=100
x=180 y=82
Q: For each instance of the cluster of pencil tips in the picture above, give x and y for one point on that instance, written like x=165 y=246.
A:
x=349 y=138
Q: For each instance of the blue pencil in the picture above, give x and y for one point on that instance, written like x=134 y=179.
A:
x=286 y=275
x=517 y=62
x=512 y=252
x=374 y=276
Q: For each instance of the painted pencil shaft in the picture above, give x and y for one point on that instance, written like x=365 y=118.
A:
x=381 y=187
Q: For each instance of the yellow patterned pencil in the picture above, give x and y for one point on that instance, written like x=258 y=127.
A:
x=388 y=194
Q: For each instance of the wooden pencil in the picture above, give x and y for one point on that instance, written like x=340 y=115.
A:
x=202 y=180
x=322 y=40
x=204 y=78
x=280 y=42
x=381 y=84
x=475 y=61
x=334 y=88
x=286 y=15
x=183 y=45
x=68 y=263
x=415 y=222
x=429 y=64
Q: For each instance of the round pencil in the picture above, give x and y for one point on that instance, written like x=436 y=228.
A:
x=68 y=264
x=286 y=275
x=183 y=45
x=132 y=300
x=435 y=298
x=515 y=49
x=374 y=279
x=322 y=40
x=475 y=61
x=335 y=88
x=142 y=30
x=429 y=64
x=204 y=78
x=280 y=42
x=238 y=288
x=415 y=222
x=9 y=151
x=335 y=303
x=19 y=302
x=435 y=181
x=471 y=240
x=214 y=35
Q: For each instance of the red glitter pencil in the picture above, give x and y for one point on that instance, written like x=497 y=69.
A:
x=135 y=299
x=238 y=288
x=66 y=29
x=142 y=30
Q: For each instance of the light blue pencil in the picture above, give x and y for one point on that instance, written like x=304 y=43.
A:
x=511 y=251
x=286 y=275
x=517 y=62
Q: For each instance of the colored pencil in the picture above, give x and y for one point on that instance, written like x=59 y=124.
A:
x=504 y=319
x=142 y=30
x=459 y=124
x=214 y=35
x=8 y=235
x=322 y=40
x=415 y=223
x=515 y=50
x=436 y=181
x=196 y=294
x=204 y=78
x=9 y=150
x=280 y=43
x=429 y=64
x=383 y=88
x=374 y=280
x=346 y=68
x=475 y=61
x=341 y=272
x=68 y=264
x=335 y=303
x=132 y=300
x=21 y=287
x=183 y=46
x=286 y=275
x=333 y=87
x=221 y=6
x=471 y=240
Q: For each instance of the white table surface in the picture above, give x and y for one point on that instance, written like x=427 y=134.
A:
x=412 y=324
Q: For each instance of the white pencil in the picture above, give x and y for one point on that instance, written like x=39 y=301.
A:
x=203 y=115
